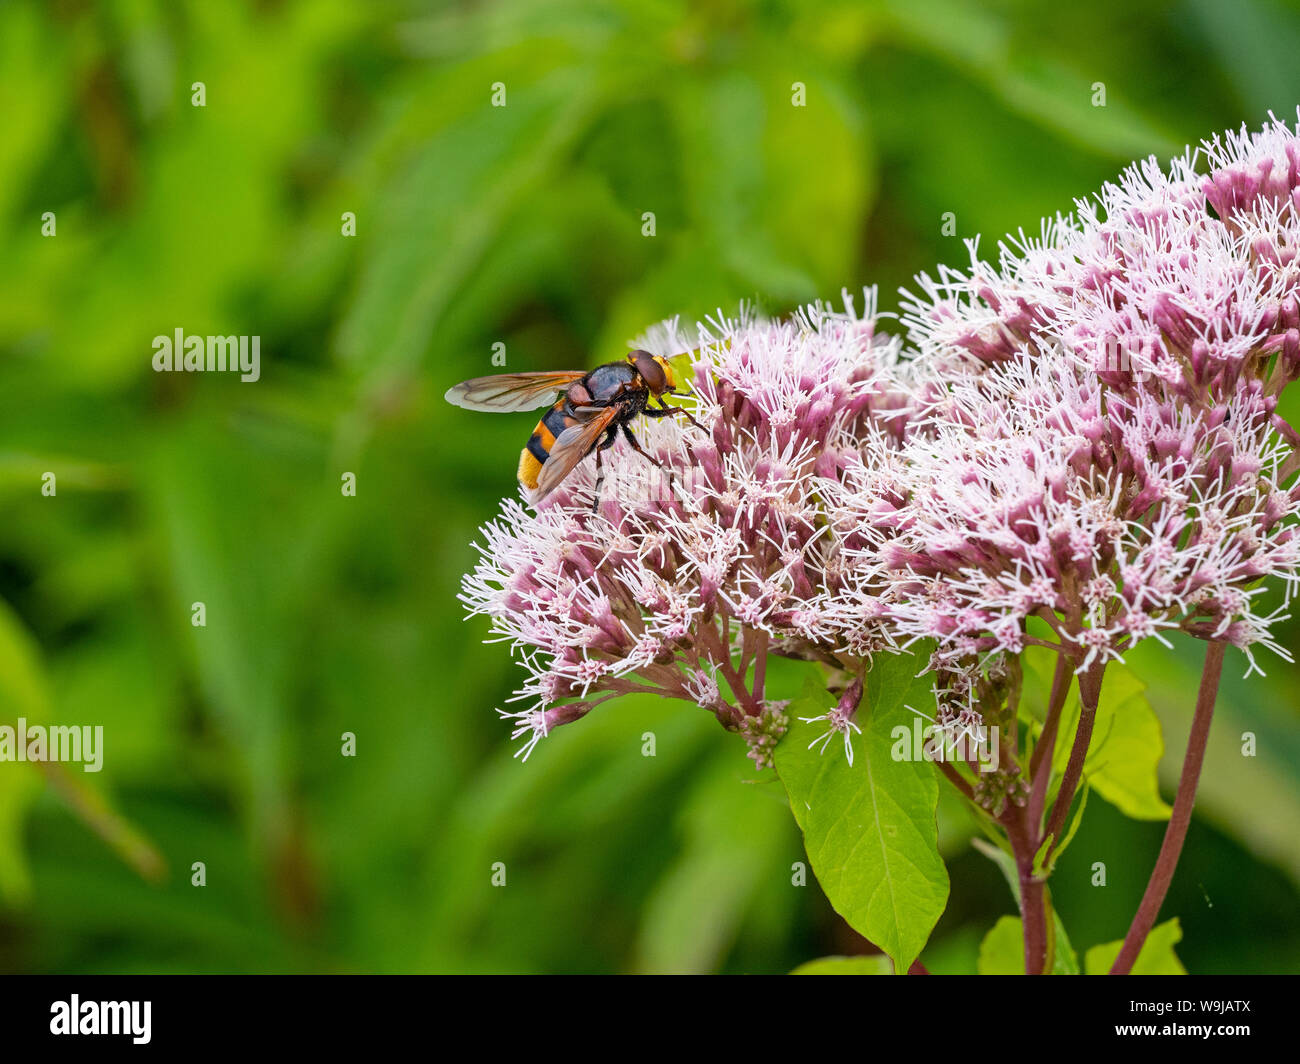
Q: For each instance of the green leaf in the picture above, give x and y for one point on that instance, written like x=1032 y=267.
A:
x=869 y=828
x=876 y=964
x=23 y=693
x=1064 y=960
x=1157 y=956
x=1003 y=951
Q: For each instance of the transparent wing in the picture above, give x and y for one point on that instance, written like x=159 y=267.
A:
x=571 y=446
x=506 y=393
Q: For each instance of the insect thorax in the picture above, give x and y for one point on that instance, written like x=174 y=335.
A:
x=605 y=382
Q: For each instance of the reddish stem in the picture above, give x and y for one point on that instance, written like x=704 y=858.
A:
x=1040 y=764
x=1033 y=906
x=1179 y=821
x=1089 y=696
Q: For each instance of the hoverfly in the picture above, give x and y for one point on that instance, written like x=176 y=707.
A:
x=586 y=406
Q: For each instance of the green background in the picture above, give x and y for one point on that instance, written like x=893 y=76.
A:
x=476 y=225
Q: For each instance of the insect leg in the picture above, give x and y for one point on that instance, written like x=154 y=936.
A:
x=672 y=411
x=605 y=445
x=627 y=435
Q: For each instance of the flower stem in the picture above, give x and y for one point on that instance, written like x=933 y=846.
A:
x=1089 y=696
x=760 y=666
x=1181 y=818
x=954 y=777
x=1040 y=764
x=721 y=656
x=1033 y=907
x=1033 y=911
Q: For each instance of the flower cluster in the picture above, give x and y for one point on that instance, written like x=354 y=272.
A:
x=1106 y=452
x=1186 y=280
x=1086 y=433
x=1034 y=491
x=685 y=576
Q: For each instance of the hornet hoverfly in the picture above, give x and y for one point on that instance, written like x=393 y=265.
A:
x=585 y=406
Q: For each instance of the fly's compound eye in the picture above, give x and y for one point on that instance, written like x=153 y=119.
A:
x=652 y=372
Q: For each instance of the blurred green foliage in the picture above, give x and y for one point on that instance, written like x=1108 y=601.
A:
x=477 y=225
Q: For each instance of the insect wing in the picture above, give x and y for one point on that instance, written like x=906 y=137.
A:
x=571 y=446
x=506 y=393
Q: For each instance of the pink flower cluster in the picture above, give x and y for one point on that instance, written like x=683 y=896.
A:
x=1036 y=491
x=682 y=581
x=1185 y=279
x=1086 y=433
x=1106 y=445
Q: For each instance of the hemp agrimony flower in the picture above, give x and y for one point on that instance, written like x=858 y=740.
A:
x=1031 y=491
x=1106 y=451
x=1182 y=278
x=680 y=582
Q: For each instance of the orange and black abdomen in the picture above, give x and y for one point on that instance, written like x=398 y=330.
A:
x=540 y=443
